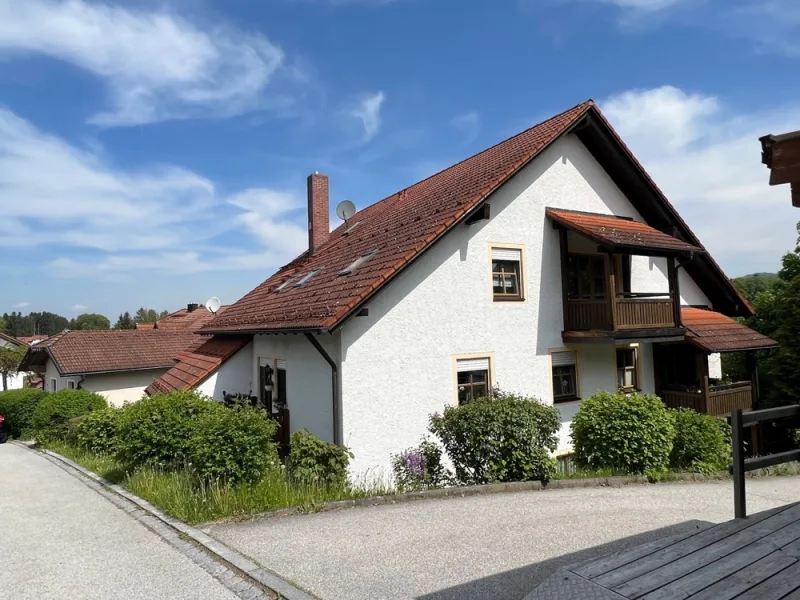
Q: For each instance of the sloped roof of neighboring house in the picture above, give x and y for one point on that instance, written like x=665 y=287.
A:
x=30 y=339
x=713 y=332
x=619 y=233
x=85 y=352
x=317 y=295
x=194 y=366
x=184 y=320
x=12 y=340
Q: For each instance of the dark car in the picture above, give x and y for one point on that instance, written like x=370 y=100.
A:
x=3 y=432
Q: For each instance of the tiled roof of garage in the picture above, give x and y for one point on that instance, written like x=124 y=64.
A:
x=397 y=228
x=713 y=332
x=619 y=232
x=196 y=365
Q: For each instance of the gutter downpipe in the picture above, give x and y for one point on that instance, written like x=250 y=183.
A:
x=334 y=387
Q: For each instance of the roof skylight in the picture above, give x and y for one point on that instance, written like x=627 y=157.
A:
x=357 y=262
x=306 y=277
x=286 y=283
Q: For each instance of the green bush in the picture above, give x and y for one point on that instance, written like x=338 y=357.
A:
x=702 y=442
x=233 y=445
x=420 y=468
x=17 y=407
x=51 y=416
x=502 y=438
x=314 y=461
x=625 y=433
x=97 y=431
x=158 y=431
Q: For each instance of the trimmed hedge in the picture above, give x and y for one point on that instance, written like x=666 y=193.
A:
x=702 y=443
x=17 y=407
x=314 y=461
x=628 y=433
x=158 y=431
x=233 y=445
x=50 y=419
x=502 y=438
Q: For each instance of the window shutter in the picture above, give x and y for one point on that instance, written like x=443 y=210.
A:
x=507 y=254
x=564 y=359
x=472 y=364
x=281 y=364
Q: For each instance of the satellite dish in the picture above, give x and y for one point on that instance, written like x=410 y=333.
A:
x=213 y=304
x=345 y=210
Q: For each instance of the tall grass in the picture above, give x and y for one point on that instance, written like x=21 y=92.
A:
x=188 y=498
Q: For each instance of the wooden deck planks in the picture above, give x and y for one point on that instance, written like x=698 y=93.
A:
x=749 y=577
x=776 y=587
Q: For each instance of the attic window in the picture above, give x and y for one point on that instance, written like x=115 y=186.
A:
x=306 y=277
x=286 y=283
x=357 y=262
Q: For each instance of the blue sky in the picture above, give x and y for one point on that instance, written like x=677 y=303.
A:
x=155 y=153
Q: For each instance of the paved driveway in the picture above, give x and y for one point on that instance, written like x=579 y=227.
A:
x=484 y=547
x=60 y=539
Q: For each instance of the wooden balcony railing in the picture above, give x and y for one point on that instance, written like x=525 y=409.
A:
x=621 y=312
x=715 y=400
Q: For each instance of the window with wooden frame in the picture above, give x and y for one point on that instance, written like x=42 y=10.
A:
x=507 y=273
x=473 y=378
x=586 y=275
x=565 y=375
x=628 y=369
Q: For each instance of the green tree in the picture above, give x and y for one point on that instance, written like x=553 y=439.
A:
x=34 y=323
x=750 y=286
x=90 y=321
x=10 y=357
x=146 y=315
x=125 y=321
x=2 y=325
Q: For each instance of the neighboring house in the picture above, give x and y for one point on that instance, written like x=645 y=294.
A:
x=30 y=340
x=118 y=364
x=549 y=265
x=781 y=154
x=17 y=380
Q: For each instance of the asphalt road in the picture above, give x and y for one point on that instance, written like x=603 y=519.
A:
x=484 y=547
x=60 y=539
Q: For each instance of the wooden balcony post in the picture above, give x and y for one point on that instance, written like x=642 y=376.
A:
x=611 y=289
x=674 y=290
x=564 y=245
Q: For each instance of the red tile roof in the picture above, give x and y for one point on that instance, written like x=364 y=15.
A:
x=29 y=339
x=196 y=365
x=183 y=320
x=12 y=339
x=713 y=332
x=399 y=227
x=619 y=233
x=83 y=352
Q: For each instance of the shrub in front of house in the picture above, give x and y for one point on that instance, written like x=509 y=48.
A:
x=17 y=407
x=702 y=443
x=50 y=419
x=420 y=468
x=626 y=433
x=97 y=431
x=233 y=446
x=316 y=462
x=505 y=437
x=157 y=431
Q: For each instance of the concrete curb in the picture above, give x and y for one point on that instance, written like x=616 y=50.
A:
x=471 y=490
x=269 y=582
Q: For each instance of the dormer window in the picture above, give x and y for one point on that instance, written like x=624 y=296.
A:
x=306 y=277
x=357 y=262
x=286 y=283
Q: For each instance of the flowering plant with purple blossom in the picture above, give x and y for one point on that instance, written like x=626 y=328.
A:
x=420 y=468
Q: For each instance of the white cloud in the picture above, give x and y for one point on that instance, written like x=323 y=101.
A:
x=644 y=5
x=79 y=307
x=707 y=160
x=368 y=111
x=157 y=65
x=21 y=305
x=468 y=123
x=150 y=216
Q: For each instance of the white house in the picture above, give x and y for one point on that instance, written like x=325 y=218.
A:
x=118 y=364
x=17 y=380
x=549 y=265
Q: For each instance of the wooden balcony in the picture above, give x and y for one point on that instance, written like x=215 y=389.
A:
x=715 y=400
x=620 y=313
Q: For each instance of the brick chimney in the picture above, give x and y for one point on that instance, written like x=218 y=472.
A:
x=319 y=220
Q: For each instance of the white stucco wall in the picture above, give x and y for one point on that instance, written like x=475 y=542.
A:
x=235 y=376
x=397 y=364
x=116 y=388
x=122 y=387
x=715 y=366
x=308 y=379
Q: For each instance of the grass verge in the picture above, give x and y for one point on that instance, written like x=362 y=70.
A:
x=189 y=499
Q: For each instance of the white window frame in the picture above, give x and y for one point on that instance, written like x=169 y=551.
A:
x=472 y=356
x=637 y=368
x=578 y=392
x=71 y=384
x=53 y=384
x=523 y=280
